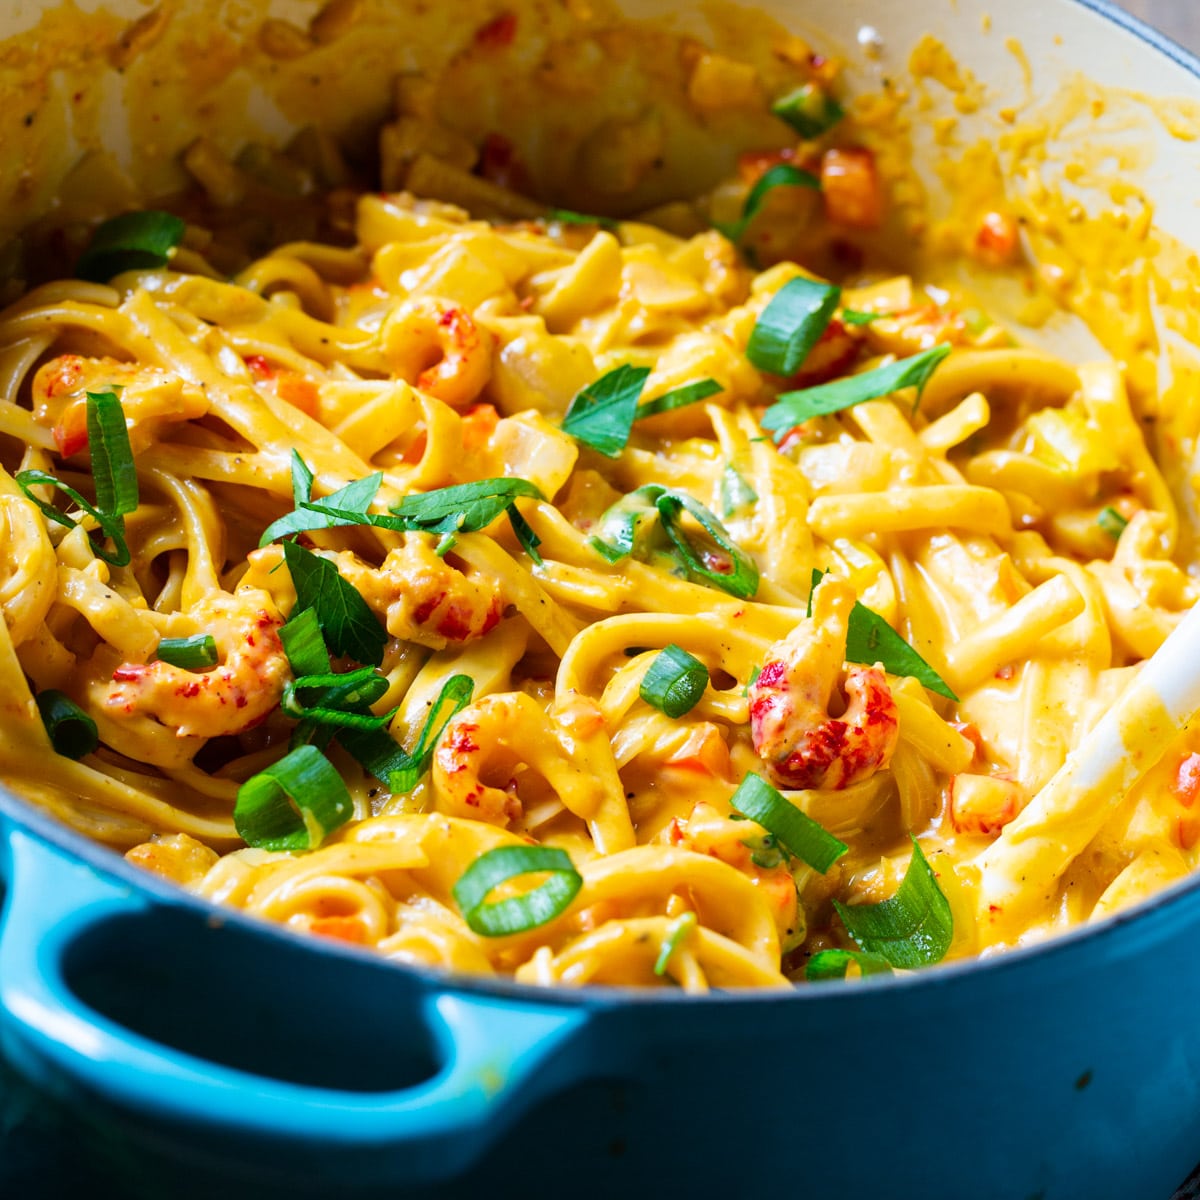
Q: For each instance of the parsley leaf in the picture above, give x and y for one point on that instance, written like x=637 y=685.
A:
x=791 y=408
x=870 y=639
x=348 y=624
x=602 y=414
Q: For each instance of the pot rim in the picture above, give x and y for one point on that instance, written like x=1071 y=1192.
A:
x=108 y=862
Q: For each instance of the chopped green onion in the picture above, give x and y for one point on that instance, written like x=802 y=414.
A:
x=131 y=242
x=766 y=852
x=852 y=316
x=679 y=397
x=566 y=216
x=793 y=407
x=734 y=570
x=677 y=933
x=110 y=526
x=754 y=674
x=345 y=699
x=347 y=623
x=624 y=526
x=625 y=529
x=780 y=175
x=602 y=414
x=293 y=804
x=976 y=321
x=71 y=731
x=810 y=110
x=516 y=914
x=912 y=929
x=304 y=645
x=736 y=493
x=113 y=472
x=675 y=681
x=193 y=653
x=792 y=324
x=795 y=831
x=379 y=753
x=1111 y=521
x=832 y=964
x=870 y=639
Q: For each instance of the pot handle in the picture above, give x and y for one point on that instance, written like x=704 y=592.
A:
x=497 y=1055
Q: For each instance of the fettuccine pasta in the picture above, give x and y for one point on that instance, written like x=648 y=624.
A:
x=758 y=602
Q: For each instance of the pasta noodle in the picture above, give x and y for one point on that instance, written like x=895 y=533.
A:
x=894 y=618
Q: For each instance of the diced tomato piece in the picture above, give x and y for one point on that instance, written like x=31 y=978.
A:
x=499 y=164
x=297 y=391
x=996 y=240
x=1187 y=780
x=344 y=929
x=851 y=188
x=70 y=433
x=479 y=423
x=754 y=164
x=704 y=752
x=260 y=368
x=498 y=33
x=835 y=351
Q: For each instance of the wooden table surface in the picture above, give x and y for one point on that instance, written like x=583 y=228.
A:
x=1179 y=19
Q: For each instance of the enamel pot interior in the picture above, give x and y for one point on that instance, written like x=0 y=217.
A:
x=207 y=1048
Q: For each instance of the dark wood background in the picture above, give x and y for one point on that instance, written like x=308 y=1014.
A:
x=1179 y=19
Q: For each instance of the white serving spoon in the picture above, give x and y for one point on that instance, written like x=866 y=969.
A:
x=1022 y=867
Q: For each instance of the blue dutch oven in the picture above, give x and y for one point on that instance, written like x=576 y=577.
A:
x=214 y=1054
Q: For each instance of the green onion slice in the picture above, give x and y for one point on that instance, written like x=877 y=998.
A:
x=567 y=216
x=912 y=929
x=780 y=175
x=732 y=570
x=516 y=914
x=680 y=397
x=110 y=526
x=113 y=472
x=304 y=645
x=131 y=242
x=792 y=324
x=854 y=316
x=347 y=623
x=795 y=831
x=379 y=754
x=810 y=110
x=736 y=493
x=675 y=681
x=677 y=933
x=195 y=653
x=624 y=527
x=293 y=804
x=766 y=852
x=344 y=702
x=832 y=964
x=1111 y=521
x=71 y=731
x=870 y=639
x=793 y=407
x=602 y=414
